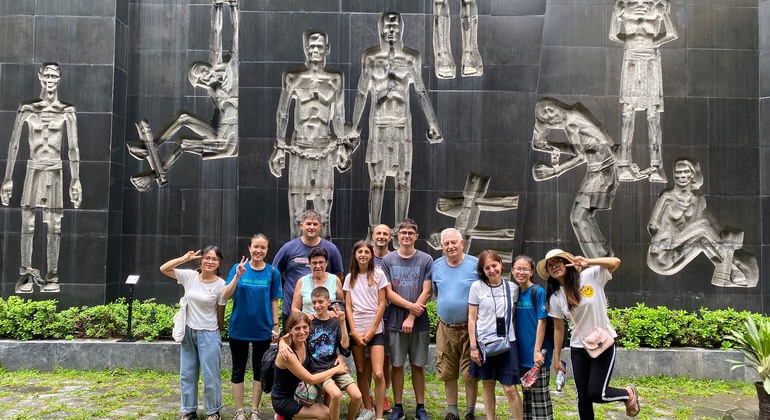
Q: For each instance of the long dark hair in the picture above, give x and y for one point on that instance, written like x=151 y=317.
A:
x=354 y=272
x=571 y=286
x=219 y=255
x=483 y=257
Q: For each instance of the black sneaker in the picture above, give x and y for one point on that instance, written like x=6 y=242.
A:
x=189 y=416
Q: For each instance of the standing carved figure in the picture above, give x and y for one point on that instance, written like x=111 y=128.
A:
x=682 y=227
x=389 y=69
x=642 y=26
x=587 y=142
x=218 y=136
x=319 y=142
x=46 y=118
x=442 y=47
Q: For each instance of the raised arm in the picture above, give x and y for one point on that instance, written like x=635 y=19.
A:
x=168 y=267
x=73 y=152
x=610 y=263
x=669 y=29
x=215 y=38
x=232 y=283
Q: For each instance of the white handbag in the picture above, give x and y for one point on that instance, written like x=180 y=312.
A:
x=180 y=321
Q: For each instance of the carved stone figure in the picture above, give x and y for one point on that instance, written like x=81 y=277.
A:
x=218 y=137
x=47 y=118
x=587 y=142
x=682 y=227
x=442 y=48
x=319 y=142
x=389 y=69
x=467 y=208
x=642 y=26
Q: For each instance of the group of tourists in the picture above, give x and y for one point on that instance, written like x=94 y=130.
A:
x=489 y=329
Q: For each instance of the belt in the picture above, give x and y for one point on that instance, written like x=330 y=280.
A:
x=455 y=326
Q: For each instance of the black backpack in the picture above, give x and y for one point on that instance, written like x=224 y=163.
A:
x=549 y=322
x=267 y=369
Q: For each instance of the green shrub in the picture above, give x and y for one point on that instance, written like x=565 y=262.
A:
x=639 y=326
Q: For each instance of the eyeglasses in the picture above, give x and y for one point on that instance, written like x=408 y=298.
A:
x=314 y=263
x=521 y=269
x=407 y=234
x=553 y=264
x=210 y=259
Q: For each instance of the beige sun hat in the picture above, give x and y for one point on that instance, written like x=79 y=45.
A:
x=543 y=272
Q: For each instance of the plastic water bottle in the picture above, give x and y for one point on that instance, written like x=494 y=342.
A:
x=560 y=379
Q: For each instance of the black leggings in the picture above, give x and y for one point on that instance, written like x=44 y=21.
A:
x=239 y=350
x=592 y=380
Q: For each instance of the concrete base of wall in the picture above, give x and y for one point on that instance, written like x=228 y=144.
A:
x=164 y=356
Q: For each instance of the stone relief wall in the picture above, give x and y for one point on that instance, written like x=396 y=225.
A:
x=532 y=50
x=47 y=120
x=217 y=137
x=472 y=63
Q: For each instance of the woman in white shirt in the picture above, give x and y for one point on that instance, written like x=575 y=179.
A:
x=200 y=347
x=576 y=289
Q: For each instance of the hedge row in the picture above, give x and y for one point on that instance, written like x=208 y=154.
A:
x=639 y=326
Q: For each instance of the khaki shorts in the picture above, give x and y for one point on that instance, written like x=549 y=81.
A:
x=342 y=381
x=453 y=352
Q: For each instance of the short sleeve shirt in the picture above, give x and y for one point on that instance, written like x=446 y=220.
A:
x=322 y=343
x=202 y=299
x=406 y=276
x=528 y=314
x=591 y=312
x=365 y=300
x=492 y=304
x=292 y=261
x=453 y=285
x=252 y=316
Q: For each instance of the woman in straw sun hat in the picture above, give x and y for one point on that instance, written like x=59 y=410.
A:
x=576 y=290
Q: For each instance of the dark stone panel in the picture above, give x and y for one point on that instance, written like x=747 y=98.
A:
x=733 y=122
x=10 y=219
x=258 y=211
x=158 y=27
x=118 y=141
x=715 y=27
x=573 y=2
x=15 y=7
x=255 y=74
x=253 y=170
x=496 y=78
x=157 y=73
x=156 y=212
x=93 y=137
x=568 y=26
x=121 y=11
x=735 y=3
x=106 y=8
x=94 y=37
x=350 y=217
x=253 y=40
x=401 y=6
x=144 y=254
x=98 y=79
x=85 y=222
x=284 y=36
x=735 y=178
x=559 y=73
x=119 y=92
x=209 y=212
x=764 y=176
x=764 y=123
x=121 y=47
x=764 y=73
x=518 y=8
x=743 y=213
x=16 y=38
x=521 y=36
x=95 y=179
x=81 y=260
x=764 y=31
x=723 y=73
x=18 y=83
x=257 y=113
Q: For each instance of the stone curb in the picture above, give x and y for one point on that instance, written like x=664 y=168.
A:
x=46 y=355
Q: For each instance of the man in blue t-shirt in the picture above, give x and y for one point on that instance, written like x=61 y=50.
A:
x=292 y=259
x=409 y=272
x=453 y=275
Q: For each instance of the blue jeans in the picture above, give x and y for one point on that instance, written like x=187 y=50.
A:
x=200 y=353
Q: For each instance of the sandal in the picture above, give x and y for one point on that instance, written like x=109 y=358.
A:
x=633 y=406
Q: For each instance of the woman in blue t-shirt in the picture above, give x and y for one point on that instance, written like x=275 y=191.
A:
x=531 y=339
x=255 y=287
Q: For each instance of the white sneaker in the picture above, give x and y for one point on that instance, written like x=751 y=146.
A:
x=365 y=414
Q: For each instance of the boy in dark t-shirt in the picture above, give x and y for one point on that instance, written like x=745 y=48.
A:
x=327 y=331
